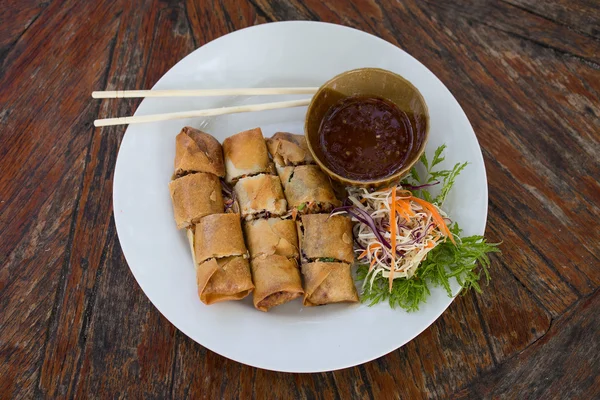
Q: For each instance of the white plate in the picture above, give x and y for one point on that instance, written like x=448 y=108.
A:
x=287 y=338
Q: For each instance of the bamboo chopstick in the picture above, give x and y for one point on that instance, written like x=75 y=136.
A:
x=121 y=94
x=200 y=113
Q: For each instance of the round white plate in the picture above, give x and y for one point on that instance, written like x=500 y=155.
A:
x=287 y=338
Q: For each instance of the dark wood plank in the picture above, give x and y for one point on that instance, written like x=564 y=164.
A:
x=581 y=15
x=554 y=293
x=36 y=214
x=163 y=30
x=66 y=340
x=564 y=364
x=29 y=277
x=15 y=17
x=208 y=22
x=532 y=145
x=128 y=347
x=521 y=23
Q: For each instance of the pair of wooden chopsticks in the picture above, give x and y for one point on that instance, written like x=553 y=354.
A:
x=121 y=94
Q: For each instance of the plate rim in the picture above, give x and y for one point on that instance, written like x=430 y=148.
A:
x=389 y=349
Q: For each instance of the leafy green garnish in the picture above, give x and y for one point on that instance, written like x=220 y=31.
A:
x=445 y=261
x=446 y=177
x=406 y=293
x=301 y=207
x=327 y=259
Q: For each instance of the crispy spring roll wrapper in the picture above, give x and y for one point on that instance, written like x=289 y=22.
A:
x=308 y=184
x=246 y=154
x=322 y=236
x=266 y=237
x=260 y=194
x=285 y=174
x=328 y=282
x=289 y=149
x=223 y=279
x=276 y=280
x=219 y=235
x=197 y=151
x=195 y=196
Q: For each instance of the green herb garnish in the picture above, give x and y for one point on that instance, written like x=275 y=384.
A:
x=301 y=207
x=446 y=177
x=327 y=259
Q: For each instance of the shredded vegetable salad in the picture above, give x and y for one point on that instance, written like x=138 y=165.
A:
x=404 y=240
x=400 y=231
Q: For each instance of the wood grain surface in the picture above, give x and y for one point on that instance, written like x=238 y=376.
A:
x=75 y=324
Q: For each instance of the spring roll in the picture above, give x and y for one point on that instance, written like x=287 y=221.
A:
x=325 y=238
x=222 y=279
x=195 y=196
x=196 y=151
x=308 y=190
x=260 y=195
x=276 y=280
x=328 y=282
x=218 y=236
x=246 y=155
x=289 y=149
x=266 y=237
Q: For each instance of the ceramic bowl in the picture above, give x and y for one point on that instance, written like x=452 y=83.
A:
x=368 y=82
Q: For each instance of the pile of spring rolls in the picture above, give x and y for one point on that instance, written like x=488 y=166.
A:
x=216 y=240
x=282 y=200
x=325 y=241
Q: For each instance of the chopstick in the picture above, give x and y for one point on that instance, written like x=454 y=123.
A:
x=200 y=113
x=121 y=94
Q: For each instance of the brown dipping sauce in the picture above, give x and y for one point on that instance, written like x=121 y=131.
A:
x=365 y=137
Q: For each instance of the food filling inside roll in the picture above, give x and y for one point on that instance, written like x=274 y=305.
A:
x=328 y=282
x=195 y=196
x=260 y=196
x=197 y=151
x=219 y=235
x=246 y=155
x=276 y=280
x=325 y=237
x=309 y=186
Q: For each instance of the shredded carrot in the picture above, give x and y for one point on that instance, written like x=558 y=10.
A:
x=393 y=226
x=405 y=209
x=436 y=217
x=370 y=248
x=294 y=214
x=430 y=244
x=372 y=264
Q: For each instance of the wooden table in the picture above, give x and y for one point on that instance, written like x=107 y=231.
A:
x=73 y=321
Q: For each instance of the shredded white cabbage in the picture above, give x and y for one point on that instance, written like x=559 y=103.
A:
x=417 y=232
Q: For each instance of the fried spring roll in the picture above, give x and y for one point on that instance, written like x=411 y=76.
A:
x=328 y=282
x=266 y=237
x=289 y=149
x=218 y=236
x=324 y=237
x=246 y=154
x=260 y=195
x=223 y=279
x=195 y=196
x=309 y=186
x=196 y=151
x=276 y=280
